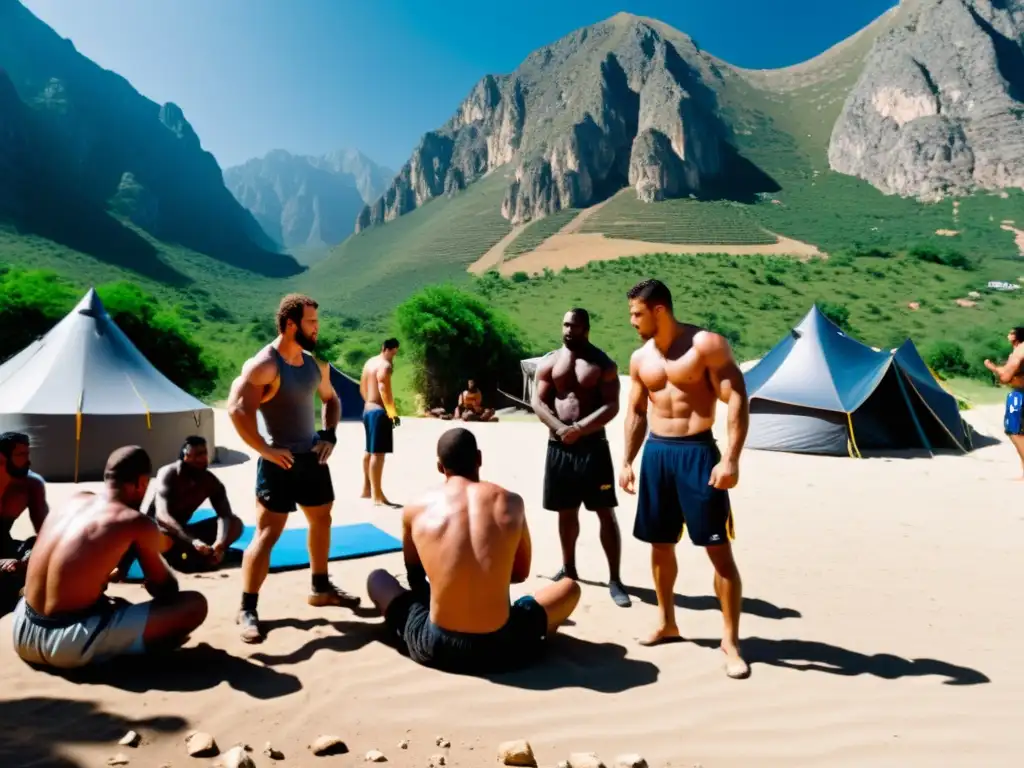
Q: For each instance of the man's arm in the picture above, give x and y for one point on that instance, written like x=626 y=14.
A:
x=159 y=580
x=219 y=501
x=413 y=565
x=524 y=553
x=384 y=385
x=38 y=509
x=636 y=410
x=730 y=387
x=244 y=400
x=609 y=409
x=161 y=500
x=1010 y=369
x=331 y=413
x=543 y=401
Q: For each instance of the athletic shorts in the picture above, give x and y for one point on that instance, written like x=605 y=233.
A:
x=113 y=627
x=379 y=431
x=1012 y=421
x=178 y=556
x=519 y=643
x=581 y=473
x=306 y=484
x=674 y=493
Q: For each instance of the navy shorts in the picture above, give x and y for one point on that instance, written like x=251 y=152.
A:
x=674 y=493
x=306 y=484
x=519 y=643
x=581 y=473
x=1012 y=421
x=379 y=431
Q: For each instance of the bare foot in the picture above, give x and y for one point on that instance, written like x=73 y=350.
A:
x=662 y=636
x=382 y=502
x=735 y=667
x=365 y=494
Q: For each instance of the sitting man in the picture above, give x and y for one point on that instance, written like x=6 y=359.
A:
x=471 y=405
x=180 y=488
x=20 y=490
x=471 y=540
x=65 y=619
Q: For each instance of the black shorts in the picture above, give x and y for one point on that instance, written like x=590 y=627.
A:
x=581 y=473
x=519 y=643
x=306 y=484
x=204 y=530
x=674 y=493
x=379 y=431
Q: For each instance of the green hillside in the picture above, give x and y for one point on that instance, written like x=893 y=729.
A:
x=536 y=232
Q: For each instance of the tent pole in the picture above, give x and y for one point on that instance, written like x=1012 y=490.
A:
x=910 y=405
x=853 y=440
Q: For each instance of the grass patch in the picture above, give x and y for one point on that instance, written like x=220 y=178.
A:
x=536 y=232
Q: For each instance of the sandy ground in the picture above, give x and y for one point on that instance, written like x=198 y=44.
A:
x=879 y=619
x=1018 y=235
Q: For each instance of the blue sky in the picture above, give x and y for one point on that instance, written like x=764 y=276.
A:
x=311 y=76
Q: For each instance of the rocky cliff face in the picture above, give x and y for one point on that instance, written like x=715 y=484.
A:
x=13 y=149
x=307 y=201
x=624 y=102
x=939 y=107
x=98 y=145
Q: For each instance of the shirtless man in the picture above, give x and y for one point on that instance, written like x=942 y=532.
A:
x=379 y=419
x=471 y=540
x=281 y=381
x=471 y=405
x=20 y=489
x=577 y=394
x=681 y=371
x=180 y=488
x=1010 y=375
x=65 y=619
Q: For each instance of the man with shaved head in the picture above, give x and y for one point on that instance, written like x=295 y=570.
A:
x=470 y=539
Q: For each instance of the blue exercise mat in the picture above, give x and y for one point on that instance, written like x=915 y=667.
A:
x=347 y=542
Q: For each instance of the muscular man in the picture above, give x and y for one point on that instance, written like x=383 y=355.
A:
x=65 y=619
x=20 y=489
x=577 y=394
x=379 y=419
x=471 y=540
x=1010 y=374
x=471 y=405
x=681 y=371
x=281 y=381
x=180 y=488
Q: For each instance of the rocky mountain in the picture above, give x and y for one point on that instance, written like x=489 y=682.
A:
x=939 y=107
x=79 y=143
x=307 y=201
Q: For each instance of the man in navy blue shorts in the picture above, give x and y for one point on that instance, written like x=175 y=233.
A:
x=679 y=375
x=1010 y=374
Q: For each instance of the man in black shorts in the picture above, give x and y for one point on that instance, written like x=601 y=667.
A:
x=577 y=394
x=471 y=540
x=280 y=381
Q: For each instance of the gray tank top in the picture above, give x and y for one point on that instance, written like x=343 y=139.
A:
x=289 y=414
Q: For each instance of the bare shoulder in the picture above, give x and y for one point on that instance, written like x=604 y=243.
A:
x=261 y=368
x=603 y=360
x=712 y=346
x=35 y=481
x=639 y=356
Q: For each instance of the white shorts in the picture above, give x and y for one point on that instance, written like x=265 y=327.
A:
x=113 y=628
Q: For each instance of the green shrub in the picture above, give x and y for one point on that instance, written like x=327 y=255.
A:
x=947 y=358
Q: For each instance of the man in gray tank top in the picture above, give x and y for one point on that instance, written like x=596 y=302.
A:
x=281 y=381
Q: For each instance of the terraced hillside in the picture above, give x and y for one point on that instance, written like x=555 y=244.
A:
x=536 y=232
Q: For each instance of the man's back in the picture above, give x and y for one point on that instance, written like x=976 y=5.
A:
x=467 y=535
x=369 y=385
x=76 y=551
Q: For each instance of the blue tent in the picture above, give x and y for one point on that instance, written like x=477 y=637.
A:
x=821 y=391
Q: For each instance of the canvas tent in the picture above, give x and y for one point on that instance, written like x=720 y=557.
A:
x=84 y=389
x=820 y=391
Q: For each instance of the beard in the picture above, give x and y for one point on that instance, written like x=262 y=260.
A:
x=18 y=472
x=573 y=345
x=304 y=341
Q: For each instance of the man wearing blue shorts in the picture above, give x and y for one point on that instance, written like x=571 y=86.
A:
x=1010 y=375
x=678 y=375
x=380 y=417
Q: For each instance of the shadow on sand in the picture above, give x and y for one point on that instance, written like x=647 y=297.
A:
x=752 y=606
x=813 y=656
x=35 y=729
x=196 y=668
x=229 y=457
x=348 y=636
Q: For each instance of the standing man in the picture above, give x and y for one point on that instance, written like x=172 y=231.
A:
x=577 y=394
x=280 y=381
x=379 y=419
x=21 y=489
x=1010 y=375
x=681 y=371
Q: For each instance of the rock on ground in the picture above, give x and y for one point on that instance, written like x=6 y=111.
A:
x=517 y=752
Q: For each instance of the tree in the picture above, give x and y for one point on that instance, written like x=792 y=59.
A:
x=452 y=336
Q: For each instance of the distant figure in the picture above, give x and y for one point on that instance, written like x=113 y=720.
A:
x=280 y=381
x=1010 y=374
x=65 y=619
x=471 y=405
x=380 y=417
x=577 y=394
x=679 y=374
x=21 y=489
x=471 y=540
x=180 y=488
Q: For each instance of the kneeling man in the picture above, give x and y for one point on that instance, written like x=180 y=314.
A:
x=65 y=619
x=471 y=540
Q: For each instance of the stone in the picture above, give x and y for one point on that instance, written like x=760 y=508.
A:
x=403 y=744
x=273 y=754
x=442 y=742
x=436 y=761
x=585 y=760
x=517 y=752
x=630 y=761
x=118 y=759
x=200 y=744
x=328 y=745
x=130 y=739
x=375 y=756
x=236 y=757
